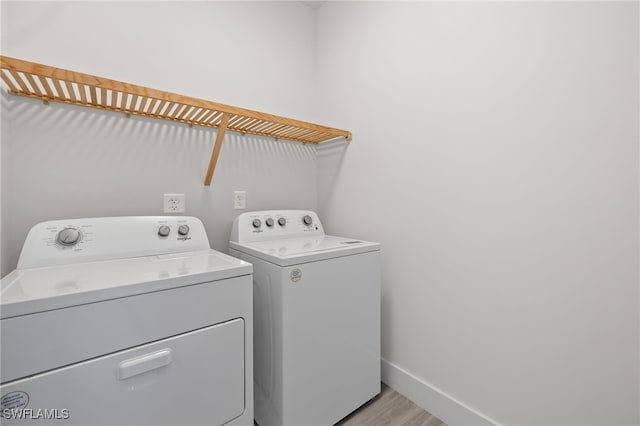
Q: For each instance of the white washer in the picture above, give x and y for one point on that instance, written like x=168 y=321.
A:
x=126 y=321
x=316 y=317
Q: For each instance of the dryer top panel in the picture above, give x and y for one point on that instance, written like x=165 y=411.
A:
x=71 y=241
x=76 y=261
x=27 y=291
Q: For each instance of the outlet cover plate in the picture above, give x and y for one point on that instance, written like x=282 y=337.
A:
x=240 y=200
x=174 y=203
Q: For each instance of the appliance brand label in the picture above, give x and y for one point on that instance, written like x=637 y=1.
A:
x=14 y=400
x=295 y=275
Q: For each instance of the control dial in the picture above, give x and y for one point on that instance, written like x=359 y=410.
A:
x=256 y=223
x=68 y=237
x=269 y=222
x=282 y=221
x=164 y=231
x=183 y=229
x=306 y=219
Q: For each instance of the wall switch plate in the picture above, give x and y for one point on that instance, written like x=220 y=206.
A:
x=174 y=203
x=240 y=200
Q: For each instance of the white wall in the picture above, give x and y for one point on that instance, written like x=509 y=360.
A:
x=62 y=161
x=495 y=156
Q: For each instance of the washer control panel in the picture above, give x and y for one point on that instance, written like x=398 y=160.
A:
x=60 y=242
x=275 y=224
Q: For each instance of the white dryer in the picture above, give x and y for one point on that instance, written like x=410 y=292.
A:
x=126 y=321
x=316 y=317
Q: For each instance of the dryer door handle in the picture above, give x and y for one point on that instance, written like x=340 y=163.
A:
x=142 y=364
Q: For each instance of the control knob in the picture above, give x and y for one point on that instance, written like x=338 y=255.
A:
x=164 y=231
x=256 y=223
x=306 y=219
x=68 y=237
x=183 y=229
x=282 y=221
x=269 y=222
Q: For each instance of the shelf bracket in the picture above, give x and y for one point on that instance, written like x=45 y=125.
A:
x=216 y=149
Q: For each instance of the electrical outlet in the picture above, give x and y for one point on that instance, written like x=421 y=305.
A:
x=174 y=203
x=240 y=200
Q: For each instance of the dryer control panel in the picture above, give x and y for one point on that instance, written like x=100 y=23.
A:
x=61 y=242
x=275 y=225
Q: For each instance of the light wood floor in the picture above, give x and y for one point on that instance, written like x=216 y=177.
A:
x=390 y=408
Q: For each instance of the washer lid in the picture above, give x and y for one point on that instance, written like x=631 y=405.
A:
x=292 y=251
x=27 y=291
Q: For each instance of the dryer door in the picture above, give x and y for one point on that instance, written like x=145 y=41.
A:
x=195 y=378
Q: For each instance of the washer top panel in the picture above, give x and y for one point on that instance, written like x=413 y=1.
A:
x=276 y=225
x=293 y=251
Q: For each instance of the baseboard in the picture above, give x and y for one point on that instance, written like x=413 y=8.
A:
x=432 y=399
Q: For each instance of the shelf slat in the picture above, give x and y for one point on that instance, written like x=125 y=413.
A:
x=163 y=105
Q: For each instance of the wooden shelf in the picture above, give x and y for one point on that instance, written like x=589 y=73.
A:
x=55 y=84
